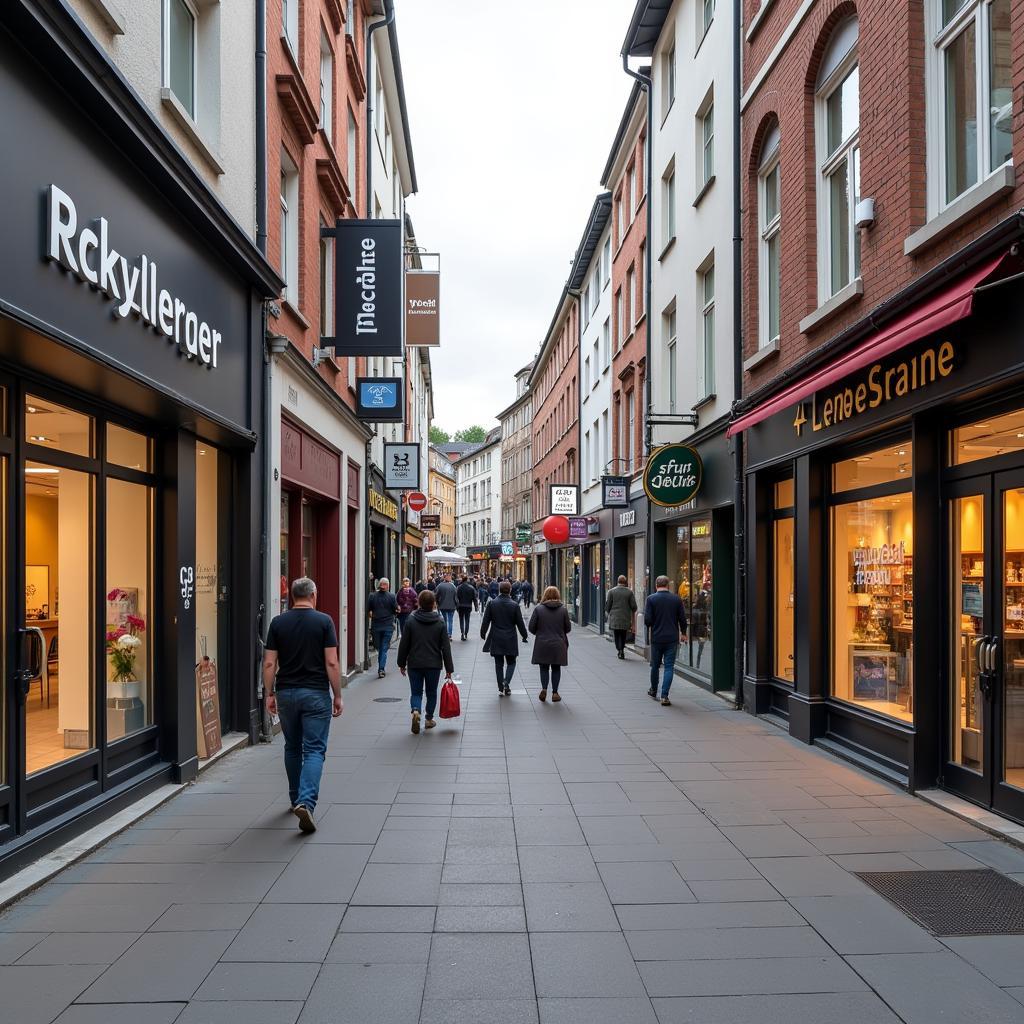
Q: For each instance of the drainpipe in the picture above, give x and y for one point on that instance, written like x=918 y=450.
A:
x=261 y=126
x=739 y=494
x=645 y=84
x=389 y=9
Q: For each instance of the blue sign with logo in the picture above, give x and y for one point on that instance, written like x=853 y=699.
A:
x=380 y=399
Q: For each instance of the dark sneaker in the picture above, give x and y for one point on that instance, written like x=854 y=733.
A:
x=508 y=690
x=380 y=673
x=430 y=723
x=665 y=702
x=543 y=695
x=555 y=698
x=622 y=655
x=416 y=722
x=652 y=693
x=305 y=816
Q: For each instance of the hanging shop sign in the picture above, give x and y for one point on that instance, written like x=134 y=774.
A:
x=614 y=492
x=565 y=500
x=430 y=521
x=368 y=288
x=383 y=505
x=578 y=528
x=673 y=474
x=417 y=501
x=876 y=386
x=86 y=250
x=422 y=307
x=380 y=399
x=401 y=466
x=523 y=533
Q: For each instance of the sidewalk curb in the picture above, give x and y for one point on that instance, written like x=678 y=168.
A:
x=74 y=850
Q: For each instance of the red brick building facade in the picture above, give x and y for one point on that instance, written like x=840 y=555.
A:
x=883 y=392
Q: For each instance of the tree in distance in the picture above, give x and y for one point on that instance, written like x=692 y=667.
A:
x=438 y=436
x=471 y=435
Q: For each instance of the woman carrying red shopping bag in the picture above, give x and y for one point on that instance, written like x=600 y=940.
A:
x=425 y=648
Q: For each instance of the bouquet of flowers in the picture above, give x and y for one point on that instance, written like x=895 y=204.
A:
x=123 y=643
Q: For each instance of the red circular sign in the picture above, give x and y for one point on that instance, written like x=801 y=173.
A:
x=417 y=501
x=556 y=529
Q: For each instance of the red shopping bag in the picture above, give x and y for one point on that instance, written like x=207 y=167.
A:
x=450 y=701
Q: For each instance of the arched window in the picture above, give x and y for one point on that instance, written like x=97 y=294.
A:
x=769 y=223
x=837 y=120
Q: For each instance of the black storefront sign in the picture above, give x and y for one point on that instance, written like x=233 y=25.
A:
x=379 y=399
x=368 y=288
x=615 y=492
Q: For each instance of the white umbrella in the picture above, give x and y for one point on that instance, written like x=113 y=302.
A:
x=442 y=557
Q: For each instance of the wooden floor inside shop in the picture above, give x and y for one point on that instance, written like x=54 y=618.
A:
x=44 y=741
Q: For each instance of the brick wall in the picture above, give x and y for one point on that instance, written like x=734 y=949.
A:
x=892 y=61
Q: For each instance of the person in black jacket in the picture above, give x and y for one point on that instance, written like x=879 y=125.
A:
x=424 y=648
x=502 y=619
x=665 y=616
x=483 y=595
x=465 y=598
x=550 y=624
x=527 y=593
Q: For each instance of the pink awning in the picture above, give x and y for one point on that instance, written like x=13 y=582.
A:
x=941 y=310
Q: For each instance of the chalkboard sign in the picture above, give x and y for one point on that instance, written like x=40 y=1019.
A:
x=207 y=709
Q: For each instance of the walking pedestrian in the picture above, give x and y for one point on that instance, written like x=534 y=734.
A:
x=483 y=595
x=465 y=597
x=502 y=619
x=406 y=598
x=527 y=593
x=620 y=607
x=517 y=591
x=665 y=615
x=419 y=587
x=424 y=650
x=447 y=602
x=492 y=588
x=382 y=608
x=302 y=681
x=550 y=625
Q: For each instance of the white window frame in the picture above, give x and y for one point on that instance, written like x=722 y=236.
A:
x=939 y=37
x=290 y=230
x=668 y=79
x=585 y=303
x=769 y=231
x=606 y=342
x=671 y=322
x=619 y=339
x=705 y=15
x=606 y=262
x=629 y=193
x=628 y=297
x=193 y=10
x=350 y=18
x=705 y=376
x=848 y=149
x=352 y=151
x=668 y=188
x=705 y=170
x=326 y=87
x=326 y=285
x=290 y=25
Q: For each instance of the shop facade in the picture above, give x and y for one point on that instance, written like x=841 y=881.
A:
x=384 y=559
x=693 y=545
x=596 y=568
x=131 y=377
x=885 y=549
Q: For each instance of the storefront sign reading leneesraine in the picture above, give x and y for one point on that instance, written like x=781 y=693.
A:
x=877 y=386
x=673 y=474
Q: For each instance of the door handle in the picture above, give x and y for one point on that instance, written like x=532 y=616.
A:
x=980 y=646
x=993 y=648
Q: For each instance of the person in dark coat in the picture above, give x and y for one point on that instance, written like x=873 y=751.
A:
x=492 y=589
x=382 y=608
x=502 y=619
x=406 y=598
x=620 y=607
x=550 y=624
x=424 y=649
x=665 y=615
x=465 y=597
x=483 y=595
x=420 y=587
x=517 y=591
x=527 y=593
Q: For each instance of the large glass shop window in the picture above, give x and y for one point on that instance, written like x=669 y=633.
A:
x=784 y=581
x=692 y=562
x=873 y=587
x=207 y=554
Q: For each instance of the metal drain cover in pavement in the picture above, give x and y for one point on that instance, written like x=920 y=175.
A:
x=980 y=902
x=386 y=700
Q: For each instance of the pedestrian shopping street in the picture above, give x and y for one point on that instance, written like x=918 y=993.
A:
x=603 y=860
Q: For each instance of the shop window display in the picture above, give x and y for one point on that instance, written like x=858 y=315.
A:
x=692 y=553
x=872 y=604
x=784 y=581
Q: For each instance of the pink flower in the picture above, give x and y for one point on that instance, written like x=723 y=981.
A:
x=115 y=594
x=136 y=624
x=113 y=635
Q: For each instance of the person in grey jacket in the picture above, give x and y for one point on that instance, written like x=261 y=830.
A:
x=620 y=607
x=424 y=650
x=447 y=602
x=550 y=624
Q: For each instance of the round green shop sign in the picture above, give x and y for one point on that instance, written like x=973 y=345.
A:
x=673 y=474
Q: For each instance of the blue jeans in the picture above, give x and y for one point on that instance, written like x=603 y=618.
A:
x=420 y=678
x=403 y=618
x=449 y=620
x=382 y=641
x=305 y=716
x=659 y=652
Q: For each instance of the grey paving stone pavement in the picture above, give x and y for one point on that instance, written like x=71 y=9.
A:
x=603 y=860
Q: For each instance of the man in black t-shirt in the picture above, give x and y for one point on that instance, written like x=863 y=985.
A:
x=301 y=671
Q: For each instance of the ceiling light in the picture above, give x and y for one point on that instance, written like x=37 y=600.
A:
x=902 y=451
x=41 y=471
x=43 y=437
x=202 y=451
x=31 y=408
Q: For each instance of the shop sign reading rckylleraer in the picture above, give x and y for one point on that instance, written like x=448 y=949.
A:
x=876 y=387
x=673 y=475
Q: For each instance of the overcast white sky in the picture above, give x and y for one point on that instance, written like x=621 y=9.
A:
x=513 y=108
